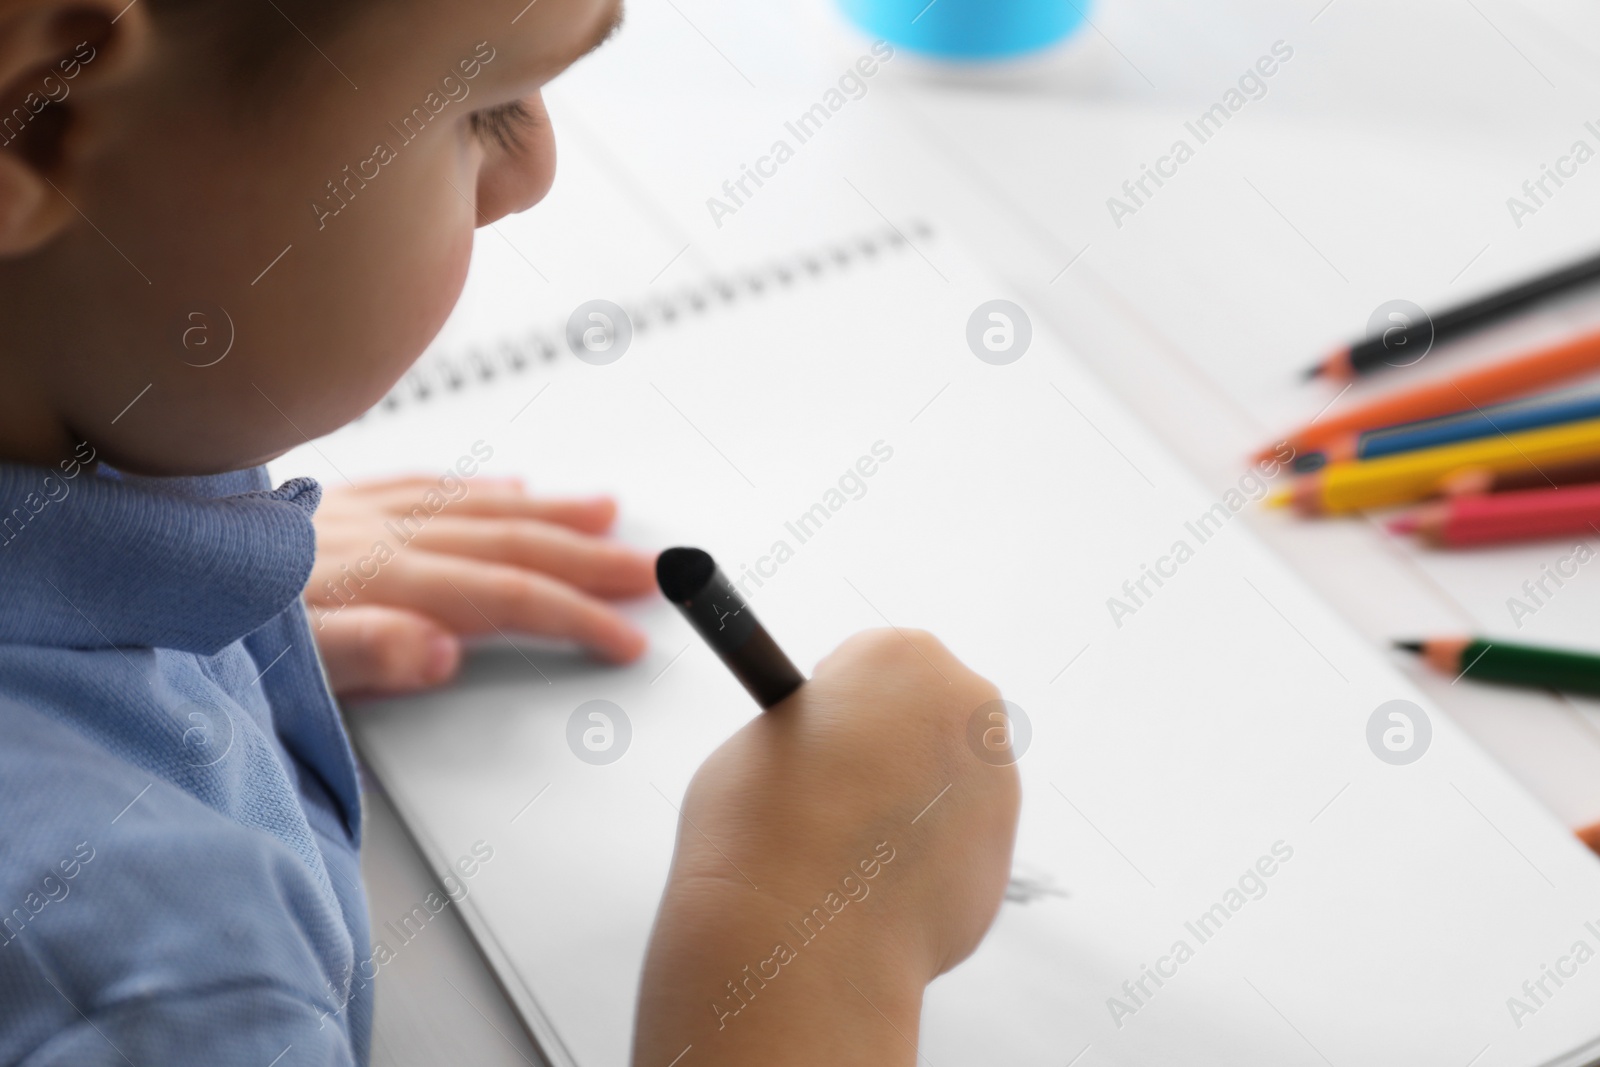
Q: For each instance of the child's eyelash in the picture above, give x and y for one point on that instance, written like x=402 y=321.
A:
x=504 y=125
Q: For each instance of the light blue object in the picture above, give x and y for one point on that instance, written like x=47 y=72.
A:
x=969 y=29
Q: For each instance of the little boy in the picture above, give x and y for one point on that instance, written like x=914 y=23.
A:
x=178 y=855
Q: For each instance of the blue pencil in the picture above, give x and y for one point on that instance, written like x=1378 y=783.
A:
x=1550 y=409
x=1505 y=418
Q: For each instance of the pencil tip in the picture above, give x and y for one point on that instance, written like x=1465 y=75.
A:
x=1405 y=524
x=1336 y=367
x=1411 y=646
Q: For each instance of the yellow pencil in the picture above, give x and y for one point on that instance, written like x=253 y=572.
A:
x=1400 y=479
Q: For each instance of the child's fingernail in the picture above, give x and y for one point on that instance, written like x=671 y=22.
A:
x=443 y=652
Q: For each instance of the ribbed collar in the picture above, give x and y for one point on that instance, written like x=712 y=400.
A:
x=98 y=559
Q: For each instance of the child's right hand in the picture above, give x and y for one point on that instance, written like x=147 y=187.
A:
x=865 y=770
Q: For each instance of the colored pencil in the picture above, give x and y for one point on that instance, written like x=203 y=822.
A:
x=1377 y=483
x=1465 y=521
x=1528 y=373
x=1375 y=353
x=1468 y=427
x=1473 y=482
x=1590 y=835
x=1544 y=410
x=1507 y=664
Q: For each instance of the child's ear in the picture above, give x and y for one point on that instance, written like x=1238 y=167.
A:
x=55 y=57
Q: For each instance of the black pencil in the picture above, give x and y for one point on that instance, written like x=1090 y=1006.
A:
x=1392 y=347
x=691 y=579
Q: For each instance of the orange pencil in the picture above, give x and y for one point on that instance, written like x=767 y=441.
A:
x=1536 y=370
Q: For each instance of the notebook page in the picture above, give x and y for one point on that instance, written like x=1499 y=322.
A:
x=1174 y=747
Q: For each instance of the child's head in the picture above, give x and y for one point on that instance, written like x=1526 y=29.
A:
x=302 y=178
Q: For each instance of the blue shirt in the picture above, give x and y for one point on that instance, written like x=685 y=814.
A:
x=179 y=806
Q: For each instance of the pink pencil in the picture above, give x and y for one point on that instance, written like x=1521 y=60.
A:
x=1465 y=521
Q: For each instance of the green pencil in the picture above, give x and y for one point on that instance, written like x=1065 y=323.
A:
x=1507 y=664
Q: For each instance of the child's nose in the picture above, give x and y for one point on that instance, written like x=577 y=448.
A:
x=515 y=178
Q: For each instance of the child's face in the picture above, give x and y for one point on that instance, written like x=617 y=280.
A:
x=195 y=193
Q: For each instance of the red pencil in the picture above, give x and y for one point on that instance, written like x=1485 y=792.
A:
x=1471 y=482
x=1461 y=522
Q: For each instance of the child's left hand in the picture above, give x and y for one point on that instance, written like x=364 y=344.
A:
x=398 y=579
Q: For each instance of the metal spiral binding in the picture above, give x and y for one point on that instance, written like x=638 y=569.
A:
x=482 y=363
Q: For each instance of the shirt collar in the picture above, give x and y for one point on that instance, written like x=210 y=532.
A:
x=93 y=558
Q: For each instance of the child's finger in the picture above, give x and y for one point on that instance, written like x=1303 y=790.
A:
x=603 y=568
x=413 y=483
x=491 y=498
x=476 y=597
x=371 y=648
x=594 y=515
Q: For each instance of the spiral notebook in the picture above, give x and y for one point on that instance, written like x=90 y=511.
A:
x=1214 y=866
